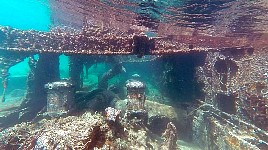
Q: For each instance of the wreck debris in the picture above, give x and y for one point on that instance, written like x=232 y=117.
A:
x=170 y=137
x=159 y=115
x=4 y=83
x=135 y=94
x=96 y=100
x=135 y=102
x=112 y=119
x=103 y=80
x=112 y=114
x=60 y=97
x=211 y=126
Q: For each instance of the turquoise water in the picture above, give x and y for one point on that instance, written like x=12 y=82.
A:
x=25 y=15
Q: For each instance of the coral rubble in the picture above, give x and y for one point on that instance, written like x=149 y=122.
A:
x=170 y=136
x=88 y=131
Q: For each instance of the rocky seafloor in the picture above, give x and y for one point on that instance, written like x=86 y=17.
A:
x=93 y=131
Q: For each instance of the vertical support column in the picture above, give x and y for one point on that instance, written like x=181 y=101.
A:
x=43 y=70
x=76 y=69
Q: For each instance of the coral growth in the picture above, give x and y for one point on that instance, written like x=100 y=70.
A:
x=236 y=83
x=257 y=110
x=88 y=131
x=170 y=137
x=112 y=114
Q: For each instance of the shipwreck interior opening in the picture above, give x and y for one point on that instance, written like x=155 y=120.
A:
x=226 y=103
x=179 y=80
x=226 y=69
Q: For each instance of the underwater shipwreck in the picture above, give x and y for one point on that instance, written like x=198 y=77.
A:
x=206 y=86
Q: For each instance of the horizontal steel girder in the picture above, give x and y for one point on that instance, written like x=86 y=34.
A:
x=96 y=41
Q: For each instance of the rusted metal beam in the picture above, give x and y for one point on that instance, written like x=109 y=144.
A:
x=91 y=41
x=95 y=40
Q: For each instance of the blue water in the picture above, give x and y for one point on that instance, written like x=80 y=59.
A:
x=25 y=15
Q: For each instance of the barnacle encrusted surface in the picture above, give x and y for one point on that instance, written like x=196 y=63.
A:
x=88 y=131
x=72 y=131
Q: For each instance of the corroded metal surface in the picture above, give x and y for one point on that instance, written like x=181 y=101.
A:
x=87 y=42
x=94 y=40
x=215 y=129
x=238 y=81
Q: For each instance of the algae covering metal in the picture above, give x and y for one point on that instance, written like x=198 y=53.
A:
x=94 y=40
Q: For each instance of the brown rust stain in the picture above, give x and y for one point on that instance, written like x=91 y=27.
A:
x=233 y=142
